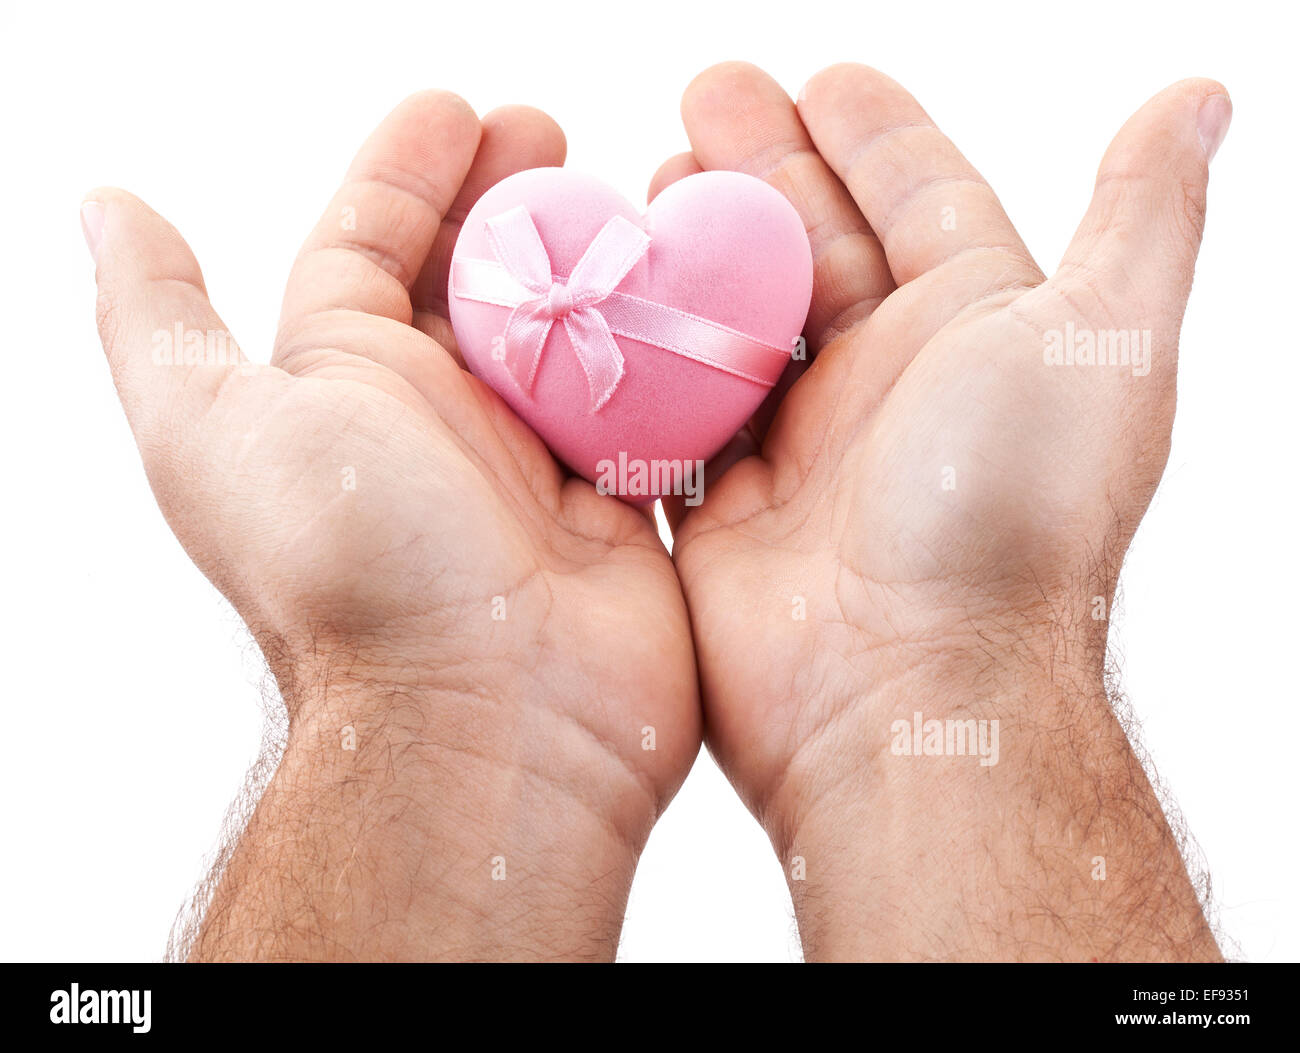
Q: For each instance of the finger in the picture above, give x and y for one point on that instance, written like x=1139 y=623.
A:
x=1140 y=237
x=512 y=139
x=374 y=237
x=168 y=351
x=738 y=118
x=677 y=167
x=924 y=200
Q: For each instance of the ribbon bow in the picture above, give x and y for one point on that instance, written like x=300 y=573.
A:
x=612 y=253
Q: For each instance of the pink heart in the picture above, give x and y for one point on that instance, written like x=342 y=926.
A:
x=724 y=248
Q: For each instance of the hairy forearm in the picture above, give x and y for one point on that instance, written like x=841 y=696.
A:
x=411 y=823
x=1051 y=847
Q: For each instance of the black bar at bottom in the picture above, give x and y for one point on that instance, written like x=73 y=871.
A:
x=436 y=1003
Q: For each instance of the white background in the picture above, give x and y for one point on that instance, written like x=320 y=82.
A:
x=130 y=699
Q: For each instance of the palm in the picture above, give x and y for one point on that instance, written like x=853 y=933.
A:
x=865 y=527
x=381 y=496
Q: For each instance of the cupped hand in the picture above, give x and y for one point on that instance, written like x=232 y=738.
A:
x=934 y=518
x=409 y=556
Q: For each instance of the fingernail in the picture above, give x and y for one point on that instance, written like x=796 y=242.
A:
x=1212 y=123
x=803 y=94
x=92 y=225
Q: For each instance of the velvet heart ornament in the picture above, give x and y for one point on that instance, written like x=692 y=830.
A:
x=629 y=343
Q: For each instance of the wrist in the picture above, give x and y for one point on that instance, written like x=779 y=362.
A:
x=441 y=822
x=983 y=806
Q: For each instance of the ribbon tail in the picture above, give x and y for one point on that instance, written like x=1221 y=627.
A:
x=597 y=353
x=525 y=337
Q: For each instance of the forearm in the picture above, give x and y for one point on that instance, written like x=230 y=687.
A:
x=417 y=823
x=1053 y=846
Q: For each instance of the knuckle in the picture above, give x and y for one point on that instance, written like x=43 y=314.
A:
x=1189 y=213
x=107 y=318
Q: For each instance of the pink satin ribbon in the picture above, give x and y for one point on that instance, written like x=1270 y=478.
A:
x=591 y=309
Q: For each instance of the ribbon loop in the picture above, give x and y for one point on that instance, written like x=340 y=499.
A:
x=614 y=251
x=516 y=243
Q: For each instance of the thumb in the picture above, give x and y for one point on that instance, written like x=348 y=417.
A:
x=1138 y=242
x=166 y=347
